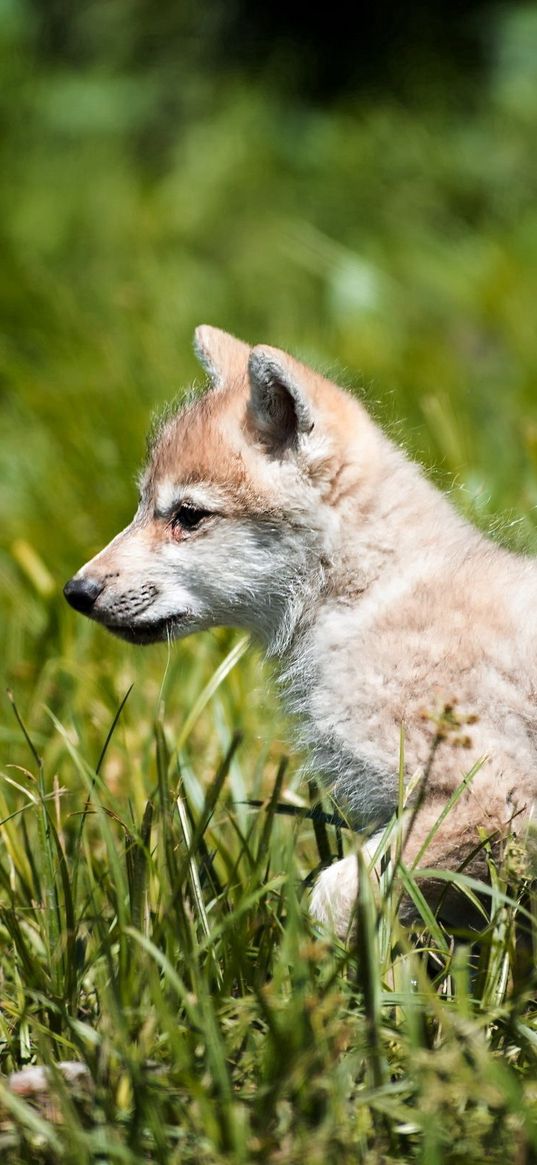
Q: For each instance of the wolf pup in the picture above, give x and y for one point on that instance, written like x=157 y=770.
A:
x=274 y=503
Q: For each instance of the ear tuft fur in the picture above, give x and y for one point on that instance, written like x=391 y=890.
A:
x=202 y=349
x=221 y=355
x=279 y=406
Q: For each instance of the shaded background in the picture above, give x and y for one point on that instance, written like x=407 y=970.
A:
x=357 y=186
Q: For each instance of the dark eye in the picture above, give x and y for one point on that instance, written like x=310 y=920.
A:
x=188 y=518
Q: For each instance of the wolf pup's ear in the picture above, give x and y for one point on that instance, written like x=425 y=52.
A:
x=279 y=407
x=223 y=357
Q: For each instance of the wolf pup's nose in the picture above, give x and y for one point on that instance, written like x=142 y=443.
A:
x=82 y=592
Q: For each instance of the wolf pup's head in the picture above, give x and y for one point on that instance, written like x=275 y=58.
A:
x=242 y=504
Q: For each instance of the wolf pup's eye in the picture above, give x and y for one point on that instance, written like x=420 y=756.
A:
x=188 y=518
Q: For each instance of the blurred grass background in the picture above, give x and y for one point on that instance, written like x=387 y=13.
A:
x=150 y=182
x=375 y=213
x=359 y=189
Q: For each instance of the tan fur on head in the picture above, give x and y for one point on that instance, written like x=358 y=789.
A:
x=276 y=504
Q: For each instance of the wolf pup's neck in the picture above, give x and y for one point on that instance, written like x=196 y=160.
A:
x=346 y=654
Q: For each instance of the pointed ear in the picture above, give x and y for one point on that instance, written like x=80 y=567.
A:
x=220 y=354
x=279 y=405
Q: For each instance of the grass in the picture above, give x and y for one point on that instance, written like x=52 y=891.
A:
x=162 y=939
x=152 y=923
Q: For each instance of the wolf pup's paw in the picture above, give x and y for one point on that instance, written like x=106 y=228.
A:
x=333 y=898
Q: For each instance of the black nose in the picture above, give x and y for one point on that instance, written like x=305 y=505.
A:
x=82 y=592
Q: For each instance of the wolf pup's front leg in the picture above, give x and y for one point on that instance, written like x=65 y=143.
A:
x=454 y=846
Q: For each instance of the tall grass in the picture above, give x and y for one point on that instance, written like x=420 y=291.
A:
x=162 y=940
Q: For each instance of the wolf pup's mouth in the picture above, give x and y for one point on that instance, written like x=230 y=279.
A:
x=147 y=632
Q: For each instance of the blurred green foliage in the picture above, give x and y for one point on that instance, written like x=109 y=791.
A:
x=145 y=190
x=394 y=245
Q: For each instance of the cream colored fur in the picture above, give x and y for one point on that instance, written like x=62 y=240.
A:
x=383 y=606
